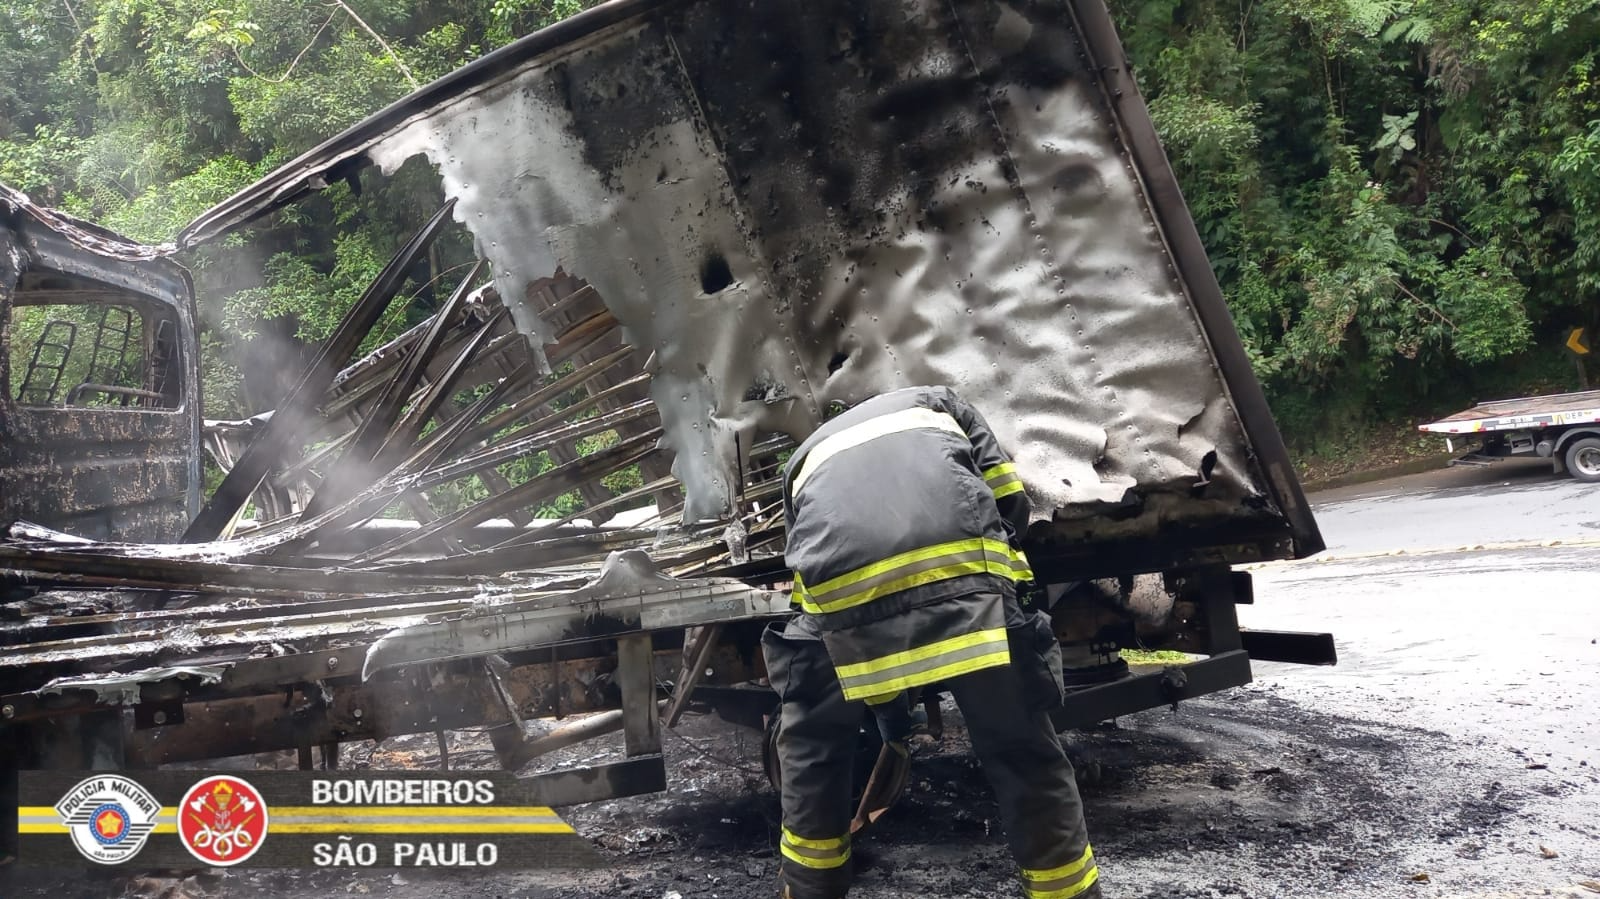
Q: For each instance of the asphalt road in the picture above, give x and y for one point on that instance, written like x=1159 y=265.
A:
x=1495 y=651
x=1453 y=752
x=1513 y=501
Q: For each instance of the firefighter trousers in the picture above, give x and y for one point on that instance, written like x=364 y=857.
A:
x=1006 y=713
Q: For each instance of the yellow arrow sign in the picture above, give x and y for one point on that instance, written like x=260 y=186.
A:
x=1575 y=342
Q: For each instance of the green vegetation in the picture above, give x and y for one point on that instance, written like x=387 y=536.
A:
x=1401 y=197
x=82 y=344
x=1155 y=657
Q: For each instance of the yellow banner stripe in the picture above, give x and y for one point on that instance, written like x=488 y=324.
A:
x=350 y=827
x=61 y=829
x=401 y=811
x=354 y=819
x=402 y=827
x=469 y=811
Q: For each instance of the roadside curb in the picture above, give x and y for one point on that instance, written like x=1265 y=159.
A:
x=1367 y=476
x=1432 y=551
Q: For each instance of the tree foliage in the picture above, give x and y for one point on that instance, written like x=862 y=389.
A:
x=141 y=114
x=1396 y=194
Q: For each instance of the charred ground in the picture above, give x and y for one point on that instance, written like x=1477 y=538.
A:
x=1248 y=794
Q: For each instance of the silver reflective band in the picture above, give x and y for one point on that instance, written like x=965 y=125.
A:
x=872 y=429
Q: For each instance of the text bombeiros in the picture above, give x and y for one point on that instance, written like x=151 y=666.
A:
x=397 y=791
x=348 y=852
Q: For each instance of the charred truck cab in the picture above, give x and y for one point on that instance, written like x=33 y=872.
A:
x=100 y=411
x=705 y=221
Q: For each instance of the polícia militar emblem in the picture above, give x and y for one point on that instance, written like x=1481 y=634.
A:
x=222 y=820
x=109 y=817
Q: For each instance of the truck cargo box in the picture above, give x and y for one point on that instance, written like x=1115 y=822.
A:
x=789 y=203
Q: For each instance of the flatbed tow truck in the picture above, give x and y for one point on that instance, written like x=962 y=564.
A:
x=1561 y=427
x=698 y=223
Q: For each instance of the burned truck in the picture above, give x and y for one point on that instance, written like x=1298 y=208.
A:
x=698 y=223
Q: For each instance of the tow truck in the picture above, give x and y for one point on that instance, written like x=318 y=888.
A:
x=1561 y=427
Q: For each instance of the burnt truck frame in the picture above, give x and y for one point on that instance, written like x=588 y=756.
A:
x=104 y=461
x=316 y=630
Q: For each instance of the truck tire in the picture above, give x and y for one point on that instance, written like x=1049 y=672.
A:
x=1583 y=459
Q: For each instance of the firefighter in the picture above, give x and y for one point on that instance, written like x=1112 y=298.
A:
x=903 y=516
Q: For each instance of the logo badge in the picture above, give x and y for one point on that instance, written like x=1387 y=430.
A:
x=222 y=820
x=109 y=817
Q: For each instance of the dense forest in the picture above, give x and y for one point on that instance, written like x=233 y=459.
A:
x=1401 y=197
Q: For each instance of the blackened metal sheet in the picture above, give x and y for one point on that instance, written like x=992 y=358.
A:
x=125 y=473
x=791 y=202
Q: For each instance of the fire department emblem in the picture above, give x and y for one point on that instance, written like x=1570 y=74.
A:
x=109 y=817
x=222 y=820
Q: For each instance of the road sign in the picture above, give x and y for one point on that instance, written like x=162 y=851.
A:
x=1575 y=342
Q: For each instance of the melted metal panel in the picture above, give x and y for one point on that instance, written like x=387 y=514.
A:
x=790 y=203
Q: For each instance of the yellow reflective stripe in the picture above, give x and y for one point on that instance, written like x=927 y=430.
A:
x=1003 y=480
x=807 y=843
x=999 y=657
x=819 y=863
x=900 y=560
x=1067 y=892
x=821 y=854
x=999 y=471
x=834 y=594
x=920 y=653
x=1020 y=568
x=871 y=429
x=930 y=576
x=1006 y=490
x=882 y=698
x=1064 y=882
x=1037 y=875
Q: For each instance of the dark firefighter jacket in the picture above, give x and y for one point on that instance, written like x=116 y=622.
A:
x=903 y=514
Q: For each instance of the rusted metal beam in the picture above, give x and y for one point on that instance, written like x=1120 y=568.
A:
x=289 y=421
x=375 y=428
x=51 y=565
x=536 y=489
x=695 y=654
x=641 y=729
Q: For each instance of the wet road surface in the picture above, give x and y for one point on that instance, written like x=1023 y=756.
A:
x=1512 y=501
x=1454 y=752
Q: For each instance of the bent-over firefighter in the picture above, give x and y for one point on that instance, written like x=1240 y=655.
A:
x=904 y=516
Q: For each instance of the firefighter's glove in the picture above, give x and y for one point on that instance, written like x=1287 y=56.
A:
x=895 y=721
